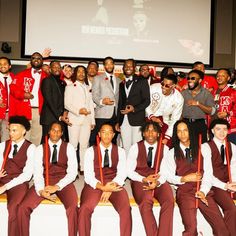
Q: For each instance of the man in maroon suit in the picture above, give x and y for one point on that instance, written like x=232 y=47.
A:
x=16 y=162
x=181 y=169
x=105 y=173
x=61 y=167
x=142 y=163
x=220 y=151
x=28 y=100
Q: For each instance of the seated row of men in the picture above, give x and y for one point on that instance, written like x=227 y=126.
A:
x=204 y=175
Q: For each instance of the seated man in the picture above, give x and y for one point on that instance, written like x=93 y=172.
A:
x=142 y=162
x=53 y=175
x=17 y=164
x=181 y=169
x=105 y=173
x=216 y=151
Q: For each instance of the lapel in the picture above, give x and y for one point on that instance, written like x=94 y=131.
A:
x=107 y=82
x=134 y=85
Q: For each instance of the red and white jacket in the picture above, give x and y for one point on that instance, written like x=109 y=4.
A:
x=226 y=101
x=24 y=82
x=3 y=98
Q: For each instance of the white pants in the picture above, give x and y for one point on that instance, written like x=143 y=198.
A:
x=34 y=135
x=129 y=134
x=80 y=134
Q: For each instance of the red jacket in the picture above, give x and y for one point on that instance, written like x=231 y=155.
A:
x=209 y=82
x=3 y=97
x=227 y=102
x=24 y=82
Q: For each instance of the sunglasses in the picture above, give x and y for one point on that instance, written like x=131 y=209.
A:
x=166 y=85
x=192 y=78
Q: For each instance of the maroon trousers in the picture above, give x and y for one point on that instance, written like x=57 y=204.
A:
x=68 y=197
x=14 y=198
x=186 y=203
x=144 y=199
x=227 y=205
x=90 y=198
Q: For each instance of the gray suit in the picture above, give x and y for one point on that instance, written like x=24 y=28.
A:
x=102 y=88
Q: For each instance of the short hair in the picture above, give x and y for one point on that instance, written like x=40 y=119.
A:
x=171 y=77
x=21 y=120
x=196 y=63
x=147 y=124
x=219 y=122
x=74 y=76
x=130 y=59
x=53 y=61
x=164 y=72
x=108 y=58
x=93 y=62
x=7 y=59
x=67 y=65
x=140 y=67
x=110 y=124
x=200 y=73
x=57 y=123
x=226 y=70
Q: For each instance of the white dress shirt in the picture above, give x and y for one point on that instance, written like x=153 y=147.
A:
x=29 y=164
x=89 y=174
x=206 y=152
x=71 y=171
x=168 y=106
x=132 y=162
x=169 y=166
x=35 y=90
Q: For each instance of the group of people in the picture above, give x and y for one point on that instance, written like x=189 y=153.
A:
x=157 y=132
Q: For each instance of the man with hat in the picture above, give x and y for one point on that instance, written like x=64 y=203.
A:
x=16 y=168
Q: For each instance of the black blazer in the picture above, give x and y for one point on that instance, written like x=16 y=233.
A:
x=139 y=98
x=53 y=105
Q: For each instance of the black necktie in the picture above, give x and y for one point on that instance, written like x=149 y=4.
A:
x=106 y=159
x=6 y=87
x=149 y=156
x=54 y=154
x=222 y=152
x=188 y=154
x=128 y=83
x=15 y=146
x=111 y=81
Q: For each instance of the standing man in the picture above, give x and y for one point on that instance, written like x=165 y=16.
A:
x=62 y=168
x=181 y=169
x=134 y=97
x=166 y=106
x=105 y=91
x=141 y=165
x=145 y=72
x=6 y=101
x=106 y=187
x=53 y=89
x=198 y=102
x=208 y=82
x=216 y=151
x=18 y=168
x=92 y=71
x=225 y=99
x=25 y=88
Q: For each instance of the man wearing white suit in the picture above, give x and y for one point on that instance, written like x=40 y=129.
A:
x=105 y=92
x=79 y=103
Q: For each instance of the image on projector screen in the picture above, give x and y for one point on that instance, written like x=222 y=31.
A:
x=148 y=30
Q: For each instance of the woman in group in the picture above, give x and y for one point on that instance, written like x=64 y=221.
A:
x=79 y=103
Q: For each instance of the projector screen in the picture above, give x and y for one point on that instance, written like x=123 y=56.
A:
x=175 y=32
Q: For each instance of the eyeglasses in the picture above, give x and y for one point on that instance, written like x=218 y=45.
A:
x=192 y=78
x=166 y=85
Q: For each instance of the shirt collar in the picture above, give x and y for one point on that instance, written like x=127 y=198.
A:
x=51 y=143
x=104 y=148
x=218 y=142
x=183 y=147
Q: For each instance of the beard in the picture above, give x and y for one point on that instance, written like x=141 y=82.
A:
x=195 y=86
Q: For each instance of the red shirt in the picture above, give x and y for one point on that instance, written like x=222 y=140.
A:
x=226 y=101
x=209 y=82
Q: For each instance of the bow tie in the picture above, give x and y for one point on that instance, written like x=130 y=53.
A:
x=128 y=83
x=37 y=71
